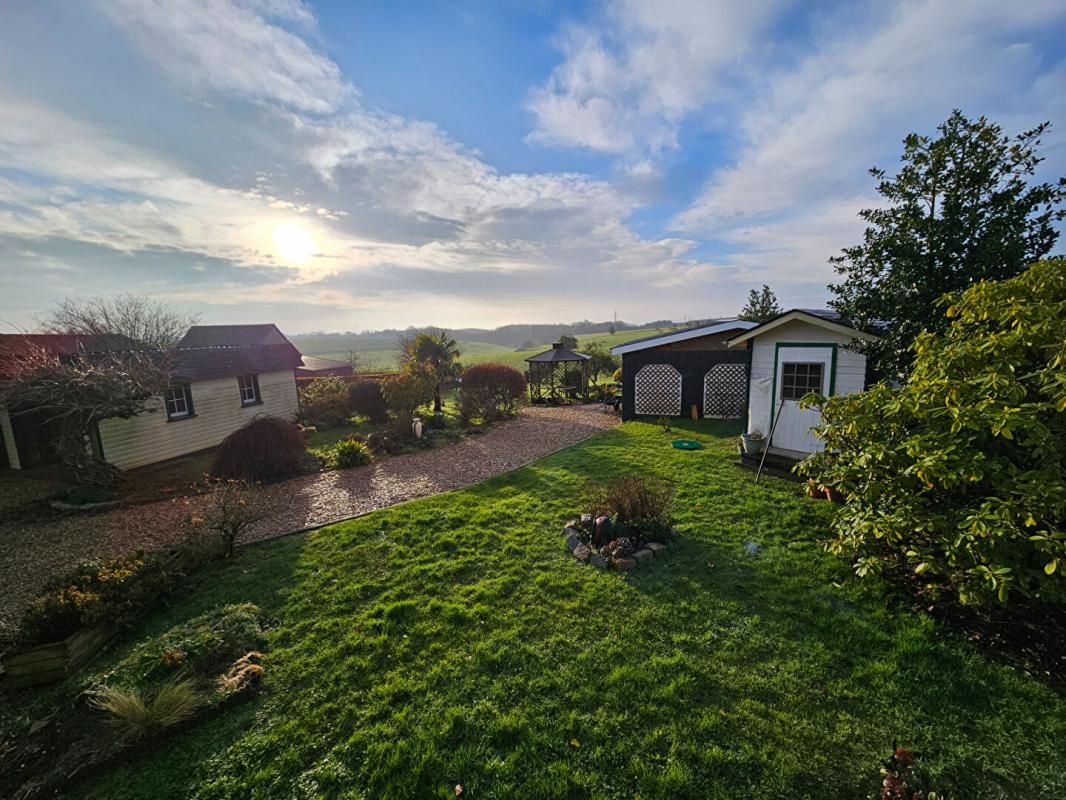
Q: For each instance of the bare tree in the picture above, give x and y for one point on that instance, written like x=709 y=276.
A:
x=354 y=359
x=150 y=323
x=77 y=391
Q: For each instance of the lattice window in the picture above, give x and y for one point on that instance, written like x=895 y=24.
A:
x=657 y=390
x=724 y=388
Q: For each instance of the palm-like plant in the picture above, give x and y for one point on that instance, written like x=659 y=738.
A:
x=438 y=352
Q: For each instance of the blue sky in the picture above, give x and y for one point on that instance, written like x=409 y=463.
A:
x=352 y=166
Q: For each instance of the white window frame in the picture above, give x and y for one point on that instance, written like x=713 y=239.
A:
x=248 y=387
x=175 y=394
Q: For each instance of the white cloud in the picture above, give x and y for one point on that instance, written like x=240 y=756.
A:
x=813 y=131
x=631 y=76
x=232 y=47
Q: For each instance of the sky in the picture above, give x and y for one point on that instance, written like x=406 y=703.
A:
x=366 y=165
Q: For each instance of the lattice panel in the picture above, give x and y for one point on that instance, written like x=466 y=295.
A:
x=724 y=388
x=657 y=390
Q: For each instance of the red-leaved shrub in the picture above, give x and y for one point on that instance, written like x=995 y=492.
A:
x=491 y=391
x=266 y=448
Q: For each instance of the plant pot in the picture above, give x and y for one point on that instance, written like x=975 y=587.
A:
x=752 y=445
x=833 y=495
x=815 y=491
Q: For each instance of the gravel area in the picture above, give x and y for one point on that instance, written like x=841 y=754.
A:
x=31 y=553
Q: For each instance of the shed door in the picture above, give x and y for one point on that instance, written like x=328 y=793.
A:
x=799 y=370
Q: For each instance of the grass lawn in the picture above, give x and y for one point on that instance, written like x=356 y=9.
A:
x=454 y=640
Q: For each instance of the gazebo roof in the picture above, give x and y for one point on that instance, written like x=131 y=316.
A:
x=558 y=353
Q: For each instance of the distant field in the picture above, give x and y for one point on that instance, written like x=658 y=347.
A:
x=381 y=353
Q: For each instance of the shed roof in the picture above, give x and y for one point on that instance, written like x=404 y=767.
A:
x=558 y=353
x=708 y=328
x=319 y=364
x=234 y=336
x=204 y=363
x=828 y=320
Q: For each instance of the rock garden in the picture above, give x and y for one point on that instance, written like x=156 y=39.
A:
x=627 y=523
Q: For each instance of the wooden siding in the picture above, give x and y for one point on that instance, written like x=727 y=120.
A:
x=151 y=437
x=850 y=368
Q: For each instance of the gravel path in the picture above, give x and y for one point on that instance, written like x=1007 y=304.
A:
x=31 y=553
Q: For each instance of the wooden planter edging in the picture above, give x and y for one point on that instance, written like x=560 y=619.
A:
x=47 y=663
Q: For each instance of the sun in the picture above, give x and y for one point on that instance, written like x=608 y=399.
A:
x=293 y=243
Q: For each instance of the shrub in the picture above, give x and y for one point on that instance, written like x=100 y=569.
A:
x=113 y=589
x=324 y=402
x=617 y=375
x=135 y=718
x=265 y=449
x=491 y=391
x=351 y=453
x=233 y=508
x=959 y=475
x=634 y=501
x=622 y=547
x=365 y=398
x=203 y=646
x=405 y=393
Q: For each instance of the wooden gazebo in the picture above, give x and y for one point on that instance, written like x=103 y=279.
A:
x=558 y=375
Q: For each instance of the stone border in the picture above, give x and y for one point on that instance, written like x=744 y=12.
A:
x=585 y=555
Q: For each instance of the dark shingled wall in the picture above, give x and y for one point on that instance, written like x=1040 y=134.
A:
x=692 y=364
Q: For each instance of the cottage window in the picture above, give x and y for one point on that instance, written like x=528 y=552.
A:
x=799 y=379
x=249 y=388
x=178 y=401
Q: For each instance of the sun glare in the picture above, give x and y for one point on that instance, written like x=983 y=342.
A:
x=292 y=243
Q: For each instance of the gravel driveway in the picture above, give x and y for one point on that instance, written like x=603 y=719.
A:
x=31 y=553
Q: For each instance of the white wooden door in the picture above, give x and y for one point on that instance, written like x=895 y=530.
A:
x=800 y=370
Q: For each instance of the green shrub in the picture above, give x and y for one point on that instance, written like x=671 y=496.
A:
x=112 y=589
x=351 y=453
x=365 y=398
x=267 y=448
x=959 y=475
x=136 y=718
x=324 y=402
x=202 y=647
x=405 y=393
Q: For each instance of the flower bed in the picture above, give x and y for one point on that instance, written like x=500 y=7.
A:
x=603 y=542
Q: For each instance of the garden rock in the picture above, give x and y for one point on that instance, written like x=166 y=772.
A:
x=598 y=561
x=643 y=554
x=573 y=542
x=623 y=563
x=657 y=547
x=582 y=552
x=570 y=531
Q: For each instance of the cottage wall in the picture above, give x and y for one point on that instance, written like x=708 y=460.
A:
x=151 y=437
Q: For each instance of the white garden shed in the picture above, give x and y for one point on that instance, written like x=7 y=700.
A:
x=798 y=352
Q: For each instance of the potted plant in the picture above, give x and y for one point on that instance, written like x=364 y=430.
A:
x=752 y=442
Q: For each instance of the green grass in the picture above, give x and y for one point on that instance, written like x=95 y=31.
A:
x=454 y=640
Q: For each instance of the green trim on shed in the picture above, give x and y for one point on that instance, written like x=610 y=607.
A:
x=777 y=356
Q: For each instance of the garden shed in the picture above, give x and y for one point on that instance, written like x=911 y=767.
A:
x=792 y=354
x=666 y=375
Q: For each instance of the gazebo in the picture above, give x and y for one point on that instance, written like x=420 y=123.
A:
x=558 y=374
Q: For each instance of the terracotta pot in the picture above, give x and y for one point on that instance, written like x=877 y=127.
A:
x=833 y=495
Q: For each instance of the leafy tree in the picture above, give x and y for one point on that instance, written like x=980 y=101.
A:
x=960 y=210
x=569 y=342
x=438 y=353
x=960 y=474
x=761 y=306
x=150 y=323
x=602 y=362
